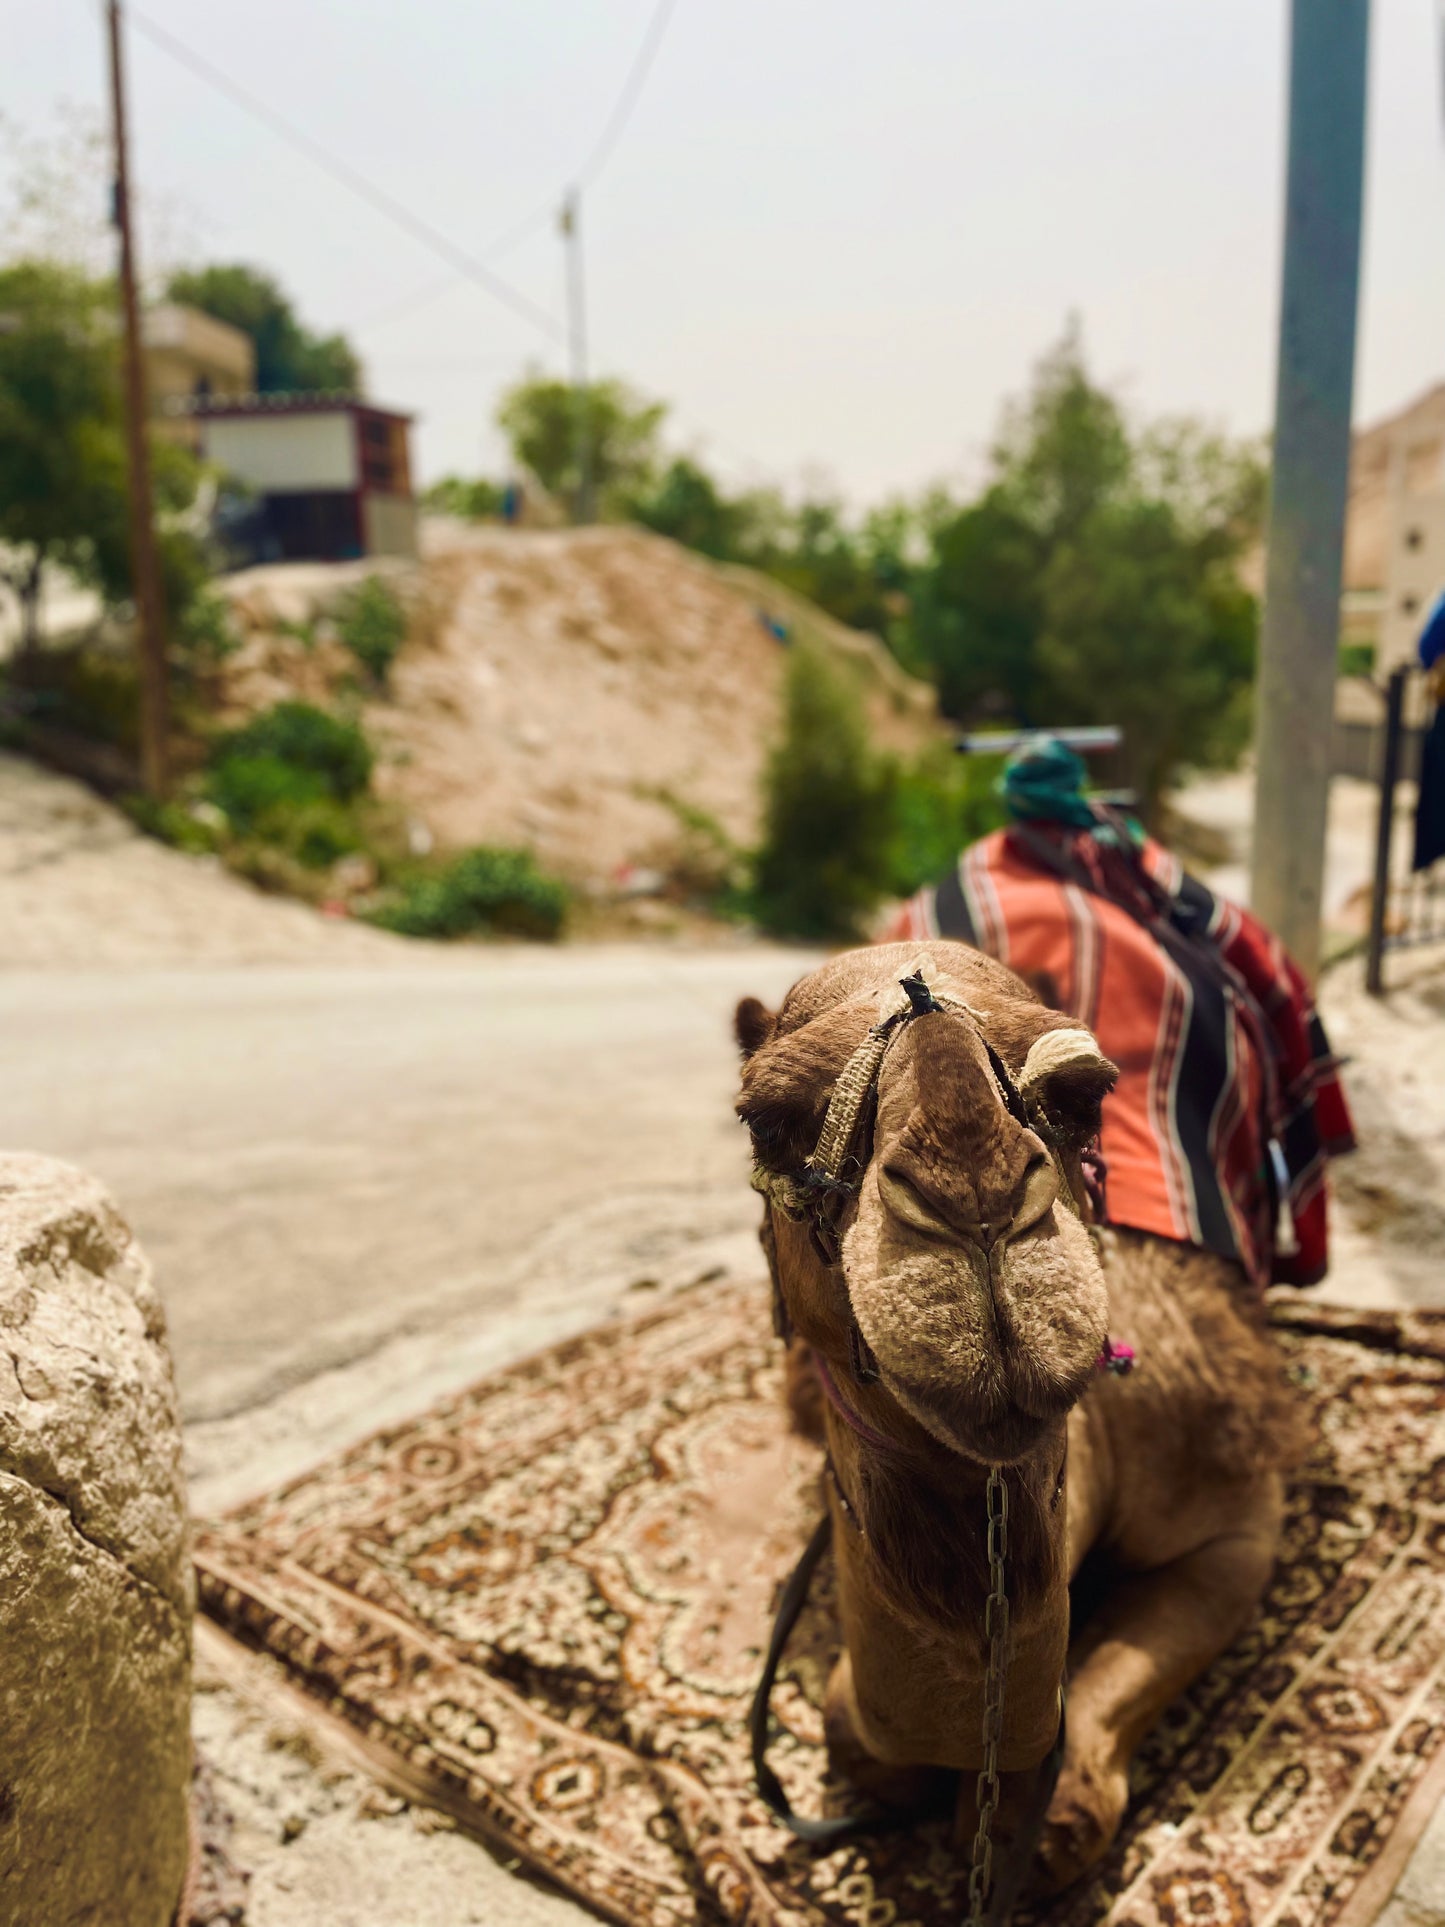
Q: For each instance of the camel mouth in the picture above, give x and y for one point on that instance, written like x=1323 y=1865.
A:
x=996 y=1430
x=988 y=1350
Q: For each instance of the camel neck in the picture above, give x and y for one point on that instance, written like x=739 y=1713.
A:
x=918 y=1509
x=911 y=1550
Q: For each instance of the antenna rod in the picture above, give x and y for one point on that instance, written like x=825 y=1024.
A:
x=584 y=507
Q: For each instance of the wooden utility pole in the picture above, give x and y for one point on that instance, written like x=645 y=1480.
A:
x=145 y=563
x=1299 y=646
x=584 y=506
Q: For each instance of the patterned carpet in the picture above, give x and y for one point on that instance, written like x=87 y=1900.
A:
x=544 y=1602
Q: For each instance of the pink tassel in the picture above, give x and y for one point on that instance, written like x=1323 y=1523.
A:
x=1118 y=1359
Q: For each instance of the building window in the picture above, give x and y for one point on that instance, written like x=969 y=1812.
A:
x=1413 y=538
x=377 y=465
x=1409 y=604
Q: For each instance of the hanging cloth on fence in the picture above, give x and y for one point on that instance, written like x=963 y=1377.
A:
x=1430 y=807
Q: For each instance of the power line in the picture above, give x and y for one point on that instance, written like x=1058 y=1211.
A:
x=622 y=112
x=508 y=239
x=631 y=93
x=375 y=197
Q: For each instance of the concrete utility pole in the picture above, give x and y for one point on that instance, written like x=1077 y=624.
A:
x=145 y=564
x=584 y=507
x=1319 y=299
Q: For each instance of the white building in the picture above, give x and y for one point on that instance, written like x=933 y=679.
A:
x=331 y=473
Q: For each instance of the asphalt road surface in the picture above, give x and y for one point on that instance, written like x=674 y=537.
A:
x=318 y=1159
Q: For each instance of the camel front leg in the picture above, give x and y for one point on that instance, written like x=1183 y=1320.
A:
x=1149 y=1638
x=850 y=1760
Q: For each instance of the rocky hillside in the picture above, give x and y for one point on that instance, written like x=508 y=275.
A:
x=575 y=692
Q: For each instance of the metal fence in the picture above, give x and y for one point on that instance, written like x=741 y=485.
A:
x=1407 y=906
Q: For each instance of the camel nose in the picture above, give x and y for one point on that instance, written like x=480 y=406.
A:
x=1033 y=1198
x=1004 y=1212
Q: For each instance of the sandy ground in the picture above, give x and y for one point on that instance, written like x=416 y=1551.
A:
x=369 y=1172
x=80 y=885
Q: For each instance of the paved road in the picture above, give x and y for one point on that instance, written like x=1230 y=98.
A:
x=317 y=1159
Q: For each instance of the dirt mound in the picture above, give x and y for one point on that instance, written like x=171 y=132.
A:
x=559 y=687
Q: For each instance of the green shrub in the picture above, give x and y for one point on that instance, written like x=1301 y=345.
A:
x=258 y=790
x=88 y=689
x=830 y=812
x=499 y=891
x=476 y=500
x=705 y=866
x=203 y=630
x=373 y=627
x=1357 y=659
x=331 y=752
x=943 y=801
x=172 y=823
x=318 y=834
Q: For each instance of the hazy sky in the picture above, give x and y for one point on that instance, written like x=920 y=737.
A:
x=835 y=236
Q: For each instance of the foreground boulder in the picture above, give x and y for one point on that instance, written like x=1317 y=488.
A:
x=95 y=1589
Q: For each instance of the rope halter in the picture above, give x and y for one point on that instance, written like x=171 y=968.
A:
x=799 y=1194
x=816 y=1194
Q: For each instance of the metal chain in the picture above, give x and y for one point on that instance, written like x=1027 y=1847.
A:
x=996 y=1630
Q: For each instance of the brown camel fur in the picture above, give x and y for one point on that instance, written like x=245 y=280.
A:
x=985 y=1301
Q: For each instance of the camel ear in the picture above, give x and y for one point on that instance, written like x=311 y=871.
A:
x=753 y=1025
x=789 y=1077
x=1064 y=1082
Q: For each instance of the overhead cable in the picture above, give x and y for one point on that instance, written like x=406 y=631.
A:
x=631 y=93
x=416 y=225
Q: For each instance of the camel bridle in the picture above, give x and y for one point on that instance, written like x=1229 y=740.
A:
x=817 y=1195
x=829 y=1181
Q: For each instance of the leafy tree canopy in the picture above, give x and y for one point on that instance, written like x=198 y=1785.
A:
x=1096 y=580
x=289 y=357
x=540 y=418
x=62 y=496
x=62 y=454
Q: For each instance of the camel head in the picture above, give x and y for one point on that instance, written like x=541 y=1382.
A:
x=951 y=1244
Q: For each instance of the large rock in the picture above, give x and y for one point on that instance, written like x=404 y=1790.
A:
x=95 y=1587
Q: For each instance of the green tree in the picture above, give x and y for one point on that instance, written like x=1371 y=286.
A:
x=829 y=849
x=540 y=418
x=858 y=572
x=1142 y=626
x=687 y=504
x=1096 y=580
x=474 y=499
x=63 y=479
x=826 y=560
x=289 y=357
x=1064 y=449
x=61 y=456
x=977 y=607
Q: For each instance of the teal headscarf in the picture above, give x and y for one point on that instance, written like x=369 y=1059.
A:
x=1045 y=782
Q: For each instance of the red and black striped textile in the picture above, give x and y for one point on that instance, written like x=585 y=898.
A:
x=1229 y=1103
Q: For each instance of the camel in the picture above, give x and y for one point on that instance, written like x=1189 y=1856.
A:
x=948 y=1305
